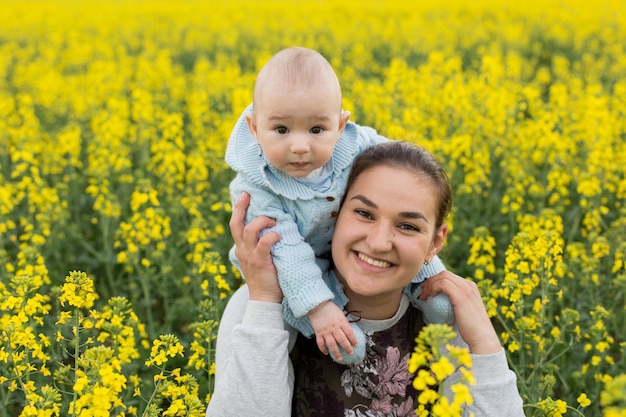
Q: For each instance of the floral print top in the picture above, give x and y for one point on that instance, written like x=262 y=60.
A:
x=379 y=386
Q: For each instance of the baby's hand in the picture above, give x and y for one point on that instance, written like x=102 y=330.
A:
x=332 y=329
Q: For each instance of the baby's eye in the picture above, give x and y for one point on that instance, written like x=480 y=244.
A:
x=317 y=130
x=281 y=130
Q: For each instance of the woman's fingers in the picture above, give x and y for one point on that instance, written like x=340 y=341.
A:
x=237 y=217
x=471 y=316
x=253 y=254
x=252 y=230
x=268 y=240
x=248 y=235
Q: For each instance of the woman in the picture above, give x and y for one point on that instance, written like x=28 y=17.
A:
x=391 y=222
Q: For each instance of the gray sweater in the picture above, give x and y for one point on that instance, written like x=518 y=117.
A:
x=254 y=375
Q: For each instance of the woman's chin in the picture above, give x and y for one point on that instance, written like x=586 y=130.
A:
x=362 y=289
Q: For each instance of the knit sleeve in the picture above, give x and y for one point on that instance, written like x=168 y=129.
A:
x=299 y=275
x=370 y=137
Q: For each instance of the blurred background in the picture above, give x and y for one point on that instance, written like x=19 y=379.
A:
x=114 y=203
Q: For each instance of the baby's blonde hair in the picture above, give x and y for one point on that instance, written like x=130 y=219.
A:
x=297 y=66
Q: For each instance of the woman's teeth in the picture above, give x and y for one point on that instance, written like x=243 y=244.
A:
x=373 y=262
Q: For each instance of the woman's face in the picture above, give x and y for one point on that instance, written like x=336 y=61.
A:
x=384 y=233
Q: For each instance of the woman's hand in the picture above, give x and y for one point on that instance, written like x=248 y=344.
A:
x=471 y=316
x=253 y=254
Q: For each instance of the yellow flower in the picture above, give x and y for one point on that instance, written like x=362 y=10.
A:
x=462 y=394
x=164 y=346
x=78 y=290
x=421 y=411
x=427 y=396
x=63 y=316
x=583 y=400
x=423 y=380
x=561 y=406
x=442 y=368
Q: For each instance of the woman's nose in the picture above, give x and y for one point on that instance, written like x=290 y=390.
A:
x=379 y=238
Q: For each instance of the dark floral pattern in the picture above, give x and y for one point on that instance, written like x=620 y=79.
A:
x=380 y=378
x=379 y=386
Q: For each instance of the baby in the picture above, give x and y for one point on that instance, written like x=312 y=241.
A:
x=292 y=151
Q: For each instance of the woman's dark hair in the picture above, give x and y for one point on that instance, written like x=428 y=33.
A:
x=413 y=158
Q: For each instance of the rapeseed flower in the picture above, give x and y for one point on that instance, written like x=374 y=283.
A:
x=482 y=252
x=434 y=361
x=78 y=290
x=612 y=398
x=164 y=346
x=524 y=106
x=553 y=408
x=583 y=400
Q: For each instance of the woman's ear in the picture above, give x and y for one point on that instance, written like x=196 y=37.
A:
x=438 y=241
x=251 y=121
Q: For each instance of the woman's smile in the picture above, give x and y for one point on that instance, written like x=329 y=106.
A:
x=372 y=261
x=384 y=232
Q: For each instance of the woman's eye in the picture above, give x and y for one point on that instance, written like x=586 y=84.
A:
x=409 y=227
x=281 y=130
x=363 y=213
x=317 y=130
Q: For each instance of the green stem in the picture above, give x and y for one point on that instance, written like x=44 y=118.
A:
x=576 y=410
x=108 y=253
x=76 y=355
x=102 y=256
x=5 y=402
x=539 y=362
x=156 y=389
x=145 y=286
x=209 y=362
x=507 y=329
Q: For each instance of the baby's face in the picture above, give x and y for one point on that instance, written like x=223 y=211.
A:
x=298 y=126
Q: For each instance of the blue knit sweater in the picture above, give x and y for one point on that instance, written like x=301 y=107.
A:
x=304 y=217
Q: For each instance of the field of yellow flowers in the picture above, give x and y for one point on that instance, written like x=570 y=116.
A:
x=114 y=199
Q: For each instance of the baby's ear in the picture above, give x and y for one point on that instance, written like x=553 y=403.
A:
x=344 y=117
x=251 y=121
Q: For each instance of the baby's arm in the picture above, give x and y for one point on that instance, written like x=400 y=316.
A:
x=305 y=295
x=299 y=276
x=332 y=330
